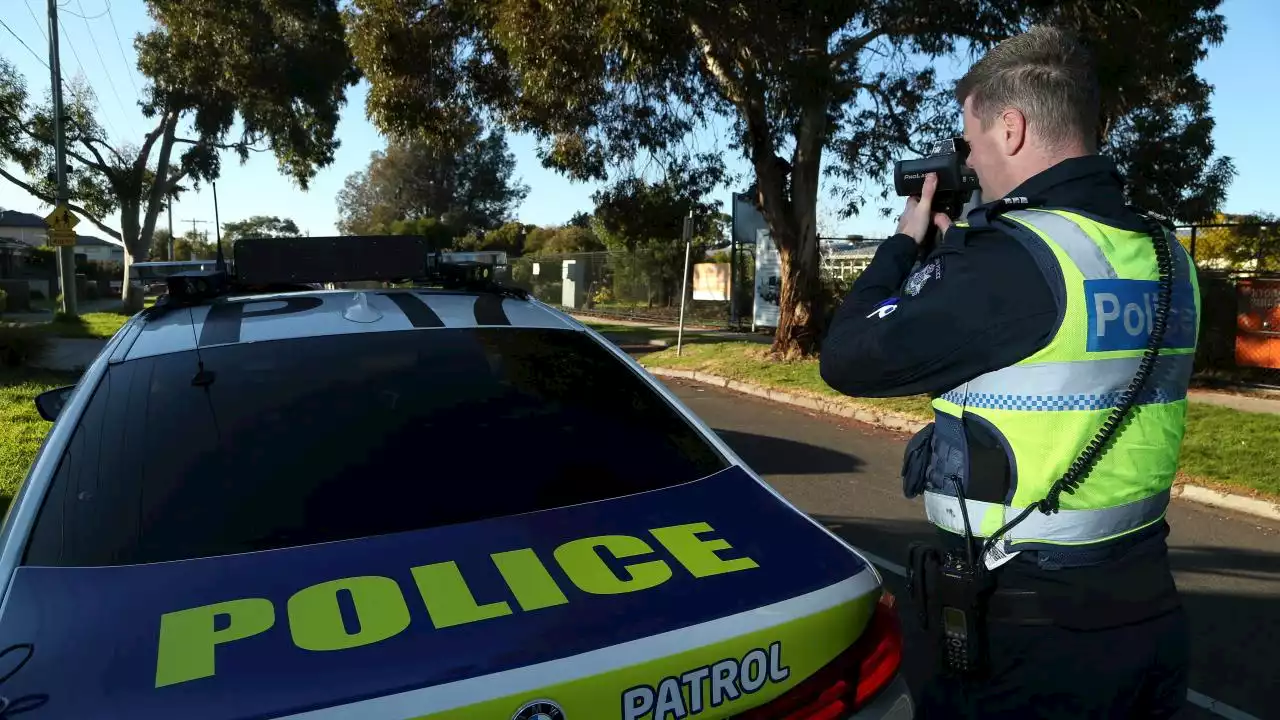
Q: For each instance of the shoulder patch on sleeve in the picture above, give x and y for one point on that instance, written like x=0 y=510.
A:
x=931 y=270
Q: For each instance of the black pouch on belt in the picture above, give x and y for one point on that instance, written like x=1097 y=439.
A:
x=915 y=461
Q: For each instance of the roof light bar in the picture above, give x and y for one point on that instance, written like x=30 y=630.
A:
x=343 y=258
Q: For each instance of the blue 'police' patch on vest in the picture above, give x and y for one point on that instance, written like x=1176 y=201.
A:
x=1122 y=312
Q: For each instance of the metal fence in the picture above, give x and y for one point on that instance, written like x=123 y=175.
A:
x=646 y=284
x=637 y=286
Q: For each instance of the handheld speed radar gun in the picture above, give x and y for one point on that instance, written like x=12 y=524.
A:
x=957 y=183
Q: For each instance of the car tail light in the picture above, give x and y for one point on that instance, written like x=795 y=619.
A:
x=851 y=680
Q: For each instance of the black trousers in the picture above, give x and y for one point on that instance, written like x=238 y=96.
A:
x=1043 y=671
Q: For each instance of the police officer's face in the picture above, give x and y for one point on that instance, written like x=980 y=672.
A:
x=992 y=149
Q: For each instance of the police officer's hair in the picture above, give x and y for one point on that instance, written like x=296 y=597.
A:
x=1048 y=75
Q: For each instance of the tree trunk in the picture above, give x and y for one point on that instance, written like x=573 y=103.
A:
x=134 y=251
x=792 y=218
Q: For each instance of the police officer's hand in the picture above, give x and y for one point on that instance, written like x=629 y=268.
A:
x=915 y=219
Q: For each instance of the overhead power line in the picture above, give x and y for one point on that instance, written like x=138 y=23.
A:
x=66 y=42
x=83 y=17
x=129 y=68
x=94 y=41
x=39 y=25
x=24 y=44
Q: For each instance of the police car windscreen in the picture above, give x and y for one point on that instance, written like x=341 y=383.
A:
x=328 y=438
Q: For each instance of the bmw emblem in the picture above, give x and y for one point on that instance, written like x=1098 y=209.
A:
x=539 y=710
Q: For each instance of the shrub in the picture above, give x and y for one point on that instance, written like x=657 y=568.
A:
x=21 y=346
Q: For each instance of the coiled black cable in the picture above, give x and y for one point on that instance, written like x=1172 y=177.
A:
x=1077 y=472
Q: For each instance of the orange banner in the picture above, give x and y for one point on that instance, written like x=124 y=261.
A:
x=1258 y=322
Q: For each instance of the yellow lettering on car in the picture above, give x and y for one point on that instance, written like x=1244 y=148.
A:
x=697 y=555
x=601 y=565
x=189 y=638
x=448 y=599
x=315 y=618
x=529 y=579
x=581 y=561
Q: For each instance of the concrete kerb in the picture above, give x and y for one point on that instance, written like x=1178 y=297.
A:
x=897 y=421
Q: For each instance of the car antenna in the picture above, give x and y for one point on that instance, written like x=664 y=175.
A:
x=221 y=265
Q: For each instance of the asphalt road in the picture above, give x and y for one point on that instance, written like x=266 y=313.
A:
x=847 y=475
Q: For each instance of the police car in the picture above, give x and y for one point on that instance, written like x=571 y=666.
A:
x=443 y=500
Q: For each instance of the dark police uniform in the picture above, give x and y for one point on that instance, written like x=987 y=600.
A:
x=1098 y=633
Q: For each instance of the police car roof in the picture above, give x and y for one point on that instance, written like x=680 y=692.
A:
x=281 y=316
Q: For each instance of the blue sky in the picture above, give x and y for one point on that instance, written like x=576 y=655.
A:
x=100 y=49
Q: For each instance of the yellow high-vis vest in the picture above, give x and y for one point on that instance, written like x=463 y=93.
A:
x=1046 y=408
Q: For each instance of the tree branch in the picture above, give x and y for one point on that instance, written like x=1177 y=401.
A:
x=49 y=199
x=140 y=162
x=248 y=146
x=101 y=165
x=718 y=68
x=885 y=104
x=849 y=50
x=86 y=139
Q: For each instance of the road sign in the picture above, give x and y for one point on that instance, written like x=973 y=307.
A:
x=61 y=238
x=62 y=218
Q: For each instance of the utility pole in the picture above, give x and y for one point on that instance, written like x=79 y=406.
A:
x=66 y=254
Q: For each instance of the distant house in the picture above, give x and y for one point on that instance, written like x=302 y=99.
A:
x=98 y=250
x=24 y=227
x=31 y=230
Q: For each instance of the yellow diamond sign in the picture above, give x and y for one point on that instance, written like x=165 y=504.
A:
x=62 y=218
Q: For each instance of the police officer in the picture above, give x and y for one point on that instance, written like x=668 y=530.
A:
x=1026 y=324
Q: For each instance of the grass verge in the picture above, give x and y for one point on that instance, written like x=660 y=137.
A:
x=750 y=362
x=93 y=325
x=21 y=428
x=1226 y=448
x=88 y=325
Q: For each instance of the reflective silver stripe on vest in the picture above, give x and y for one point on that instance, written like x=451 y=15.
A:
x=1076 y=385
x=1065 y=527
x=1076 y=243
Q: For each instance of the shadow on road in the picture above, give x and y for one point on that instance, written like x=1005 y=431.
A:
x=778 y=456
x=1238 y=563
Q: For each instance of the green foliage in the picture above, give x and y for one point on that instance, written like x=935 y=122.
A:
x=1156 y=120
x=193 y=245
x=437 y=233
x=22 y=346
x=1250 y=242
x=509 y=238
x=159 y=246
x=280 y=69
x=260 y=226
x=468 y=184
x=240 y=75
x=605 y=84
